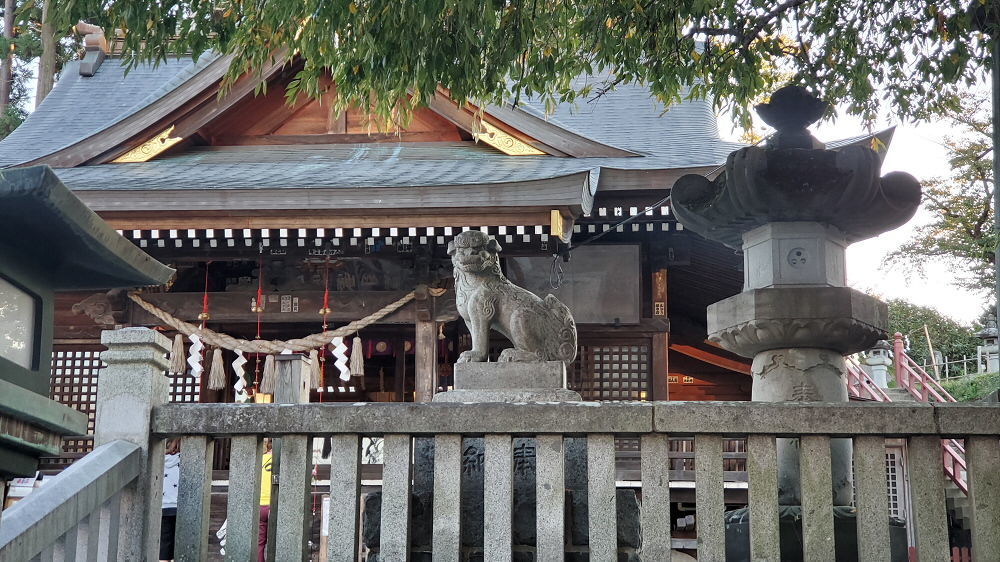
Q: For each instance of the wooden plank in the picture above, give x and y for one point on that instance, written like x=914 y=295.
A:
x=291 y=535
x=762 y=474
x=194 y=496
x=498 y=489
x=343 y=525
x=655 y=512
x=601 y=499
x=817 y=498
x=550 y=494
x=395 y=538
x=243 y=504
x=983 y=457
x=709 y=497
x=927 y=492
x=447 y=536
x=871 y=498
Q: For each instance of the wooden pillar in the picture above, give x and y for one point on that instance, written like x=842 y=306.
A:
x=660 y=341
x=399 y=377
x=426 y=360
x=425 y=345
x=658 y=379
x=291 y=387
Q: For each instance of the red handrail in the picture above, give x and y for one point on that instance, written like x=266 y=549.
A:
x=862 y=385
x=913 y=378
x=923 y=387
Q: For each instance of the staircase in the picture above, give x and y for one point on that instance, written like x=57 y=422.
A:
x=916 y=385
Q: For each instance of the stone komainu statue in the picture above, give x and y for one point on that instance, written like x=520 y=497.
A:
x=541 y=330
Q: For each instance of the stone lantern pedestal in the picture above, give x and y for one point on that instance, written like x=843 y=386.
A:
x=793 y=207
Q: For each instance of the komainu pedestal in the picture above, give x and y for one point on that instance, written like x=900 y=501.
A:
x=509 y=382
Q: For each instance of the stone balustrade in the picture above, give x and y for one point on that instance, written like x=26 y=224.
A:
x=93 y=507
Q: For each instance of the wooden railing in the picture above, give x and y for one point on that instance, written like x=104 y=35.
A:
x=76 y=515
x=869 y=424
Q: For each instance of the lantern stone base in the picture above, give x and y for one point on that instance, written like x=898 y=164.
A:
x=509 y=382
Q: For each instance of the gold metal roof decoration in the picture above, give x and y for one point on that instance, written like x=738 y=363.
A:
x=504 y=142
x=149 y=149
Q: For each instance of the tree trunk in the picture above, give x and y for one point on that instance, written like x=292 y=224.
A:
x=47 y=62
x=6 y=70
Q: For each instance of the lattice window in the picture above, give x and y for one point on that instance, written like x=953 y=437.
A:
x=74 y=383
x=184 y=388
x=894 y=483
x=612 y=372
x=75 y=371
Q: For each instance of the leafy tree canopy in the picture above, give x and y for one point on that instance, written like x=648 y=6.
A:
x=904 y=55
x=960 y=232
x=949 y=337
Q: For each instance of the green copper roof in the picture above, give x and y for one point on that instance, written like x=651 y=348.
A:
x=81 y=252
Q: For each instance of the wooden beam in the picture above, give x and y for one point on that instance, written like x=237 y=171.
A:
x=357 y=138
x=147 y=220
x=711 y=358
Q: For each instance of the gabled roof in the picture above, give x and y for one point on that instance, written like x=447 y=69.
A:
x=79 y=107
x=114 y=108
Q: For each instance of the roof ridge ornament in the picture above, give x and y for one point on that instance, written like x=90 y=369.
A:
x=95 y=46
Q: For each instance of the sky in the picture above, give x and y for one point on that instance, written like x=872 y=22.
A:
x=915 y=149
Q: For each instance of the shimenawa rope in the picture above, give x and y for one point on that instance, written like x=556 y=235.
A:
x=305 y=344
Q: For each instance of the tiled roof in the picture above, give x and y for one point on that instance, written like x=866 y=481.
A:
x=683 y=137
x=79 y=106
x=324 y=166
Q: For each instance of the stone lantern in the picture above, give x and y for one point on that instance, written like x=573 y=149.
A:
x=49 y=242
x=793 y=207
x=989 y=347
x=878 y=362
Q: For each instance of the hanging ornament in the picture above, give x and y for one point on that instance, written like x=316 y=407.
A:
x=217 y=374
x=269 y=378
x=317 y=358
x=177 y=364
x=357 y=358
x=340 y=353
x=194 y=356
x=241 y=382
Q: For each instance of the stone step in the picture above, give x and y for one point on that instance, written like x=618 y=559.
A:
x=900 y=395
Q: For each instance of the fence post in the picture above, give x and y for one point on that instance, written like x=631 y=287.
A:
x=898 y=362
x=128 y=389
x=291 y=387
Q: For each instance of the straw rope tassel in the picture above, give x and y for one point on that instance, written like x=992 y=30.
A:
x=357 y=358
x=217 y=374
x=177 y=361
x=314 y=381
x=269 y=378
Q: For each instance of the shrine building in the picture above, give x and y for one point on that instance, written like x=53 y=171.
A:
x=284 y=219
